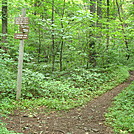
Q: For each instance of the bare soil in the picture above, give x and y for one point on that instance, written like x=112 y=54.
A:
x=88 y=119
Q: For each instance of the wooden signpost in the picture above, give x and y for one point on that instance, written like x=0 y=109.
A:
x=22 y=21
x=20 y=36
x=24 y=28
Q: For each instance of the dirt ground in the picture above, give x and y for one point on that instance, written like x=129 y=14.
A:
x=88 y=119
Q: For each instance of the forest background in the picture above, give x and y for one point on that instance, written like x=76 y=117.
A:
x=76 y=50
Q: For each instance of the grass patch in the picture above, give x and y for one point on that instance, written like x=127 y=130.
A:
x=121 y=114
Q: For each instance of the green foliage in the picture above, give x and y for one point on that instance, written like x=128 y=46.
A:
x=62 y=90
x=69 y=84
x=7 y=78
x=74 y=27
x=7 y=84
x=35 y=85
x=81 y=40
x=121 y=114
x=6 y=105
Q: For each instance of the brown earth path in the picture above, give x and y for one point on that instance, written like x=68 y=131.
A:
x=88 y=119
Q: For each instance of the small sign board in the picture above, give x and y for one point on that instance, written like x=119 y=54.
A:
x=21 y=20
x=20 y=36
x=24 y=28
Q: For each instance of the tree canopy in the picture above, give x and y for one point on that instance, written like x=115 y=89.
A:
x=72 y=33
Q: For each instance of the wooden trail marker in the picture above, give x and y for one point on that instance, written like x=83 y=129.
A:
x=20 y=21
x=20 y=36
x=24 y=28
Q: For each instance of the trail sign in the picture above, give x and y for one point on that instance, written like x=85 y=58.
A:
x=21 y=20
x=20 y=36
x=24 y=28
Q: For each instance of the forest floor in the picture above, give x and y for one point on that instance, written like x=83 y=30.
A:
x=88 y=119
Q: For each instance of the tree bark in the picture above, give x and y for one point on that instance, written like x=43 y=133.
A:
x=39 y=47
x=99 y=11
x=92 y=7
x=4 y=20
x=108 y=9
x=123 y=30
x=92 y=52
x=62 y=40
x=53 y=38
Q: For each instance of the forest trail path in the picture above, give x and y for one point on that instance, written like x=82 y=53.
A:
x=88 y=119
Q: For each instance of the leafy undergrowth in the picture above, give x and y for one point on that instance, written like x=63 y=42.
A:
x=61 y=93
x=58 y=90
x=121 y=114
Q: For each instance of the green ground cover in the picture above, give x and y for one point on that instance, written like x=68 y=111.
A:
x=121 y=114
x=66 y=92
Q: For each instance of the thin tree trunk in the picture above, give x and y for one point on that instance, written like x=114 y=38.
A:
x=99 y=15
x=62 y=40
x=92 y=7
x=123 y=30
x=4 y=20
x=108 y=9
x=39 y=47
x=99 y=11
x=91 y=44
x=53 y=38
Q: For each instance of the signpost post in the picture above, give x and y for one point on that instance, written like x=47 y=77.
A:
x=22 y=21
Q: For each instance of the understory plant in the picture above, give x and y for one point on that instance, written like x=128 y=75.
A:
x=121 y=114
x=61 y=91
x=57 y=90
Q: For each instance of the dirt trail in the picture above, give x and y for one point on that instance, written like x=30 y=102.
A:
x=88 y=119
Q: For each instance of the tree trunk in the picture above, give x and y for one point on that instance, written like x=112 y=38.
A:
x=108 y=8
x=62 y=40
x=99 y=11
x=123 y=30
x=99 y=14
x=53 y=38
x=92 y=52
x=4 y=20
x=92 y=7
x=39 y=47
